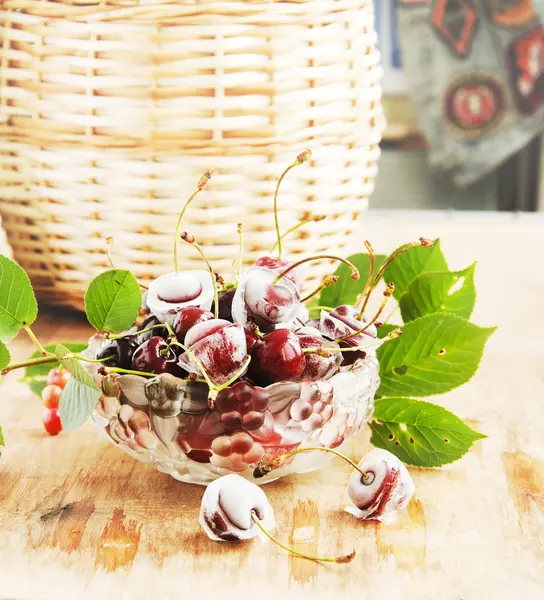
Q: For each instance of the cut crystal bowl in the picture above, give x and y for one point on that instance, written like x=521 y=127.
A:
x=165 y=421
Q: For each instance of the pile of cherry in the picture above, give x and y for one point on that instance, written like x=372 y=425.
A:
x=189 y=331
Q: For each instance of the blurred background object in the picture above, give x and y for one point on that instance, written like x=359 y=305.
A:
x=463 y=104
x=109 y=116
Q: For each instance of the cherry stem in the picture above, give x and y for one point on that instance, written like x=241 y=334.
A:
x=328 y=280
x=134 y=333
x=301 y=158
x=305 y=221
x=31 y=335
x=89 y=360
x=354 y=271
x=421 y=242
x=263 y=468
x=241 y=251
x=338 y=559
x=329 y=308
x=201 y=184
x=372 y=258
x=42 y=360
x=192 y=356
x=109 y=370
x=386 y=295
x=109 y=244
x=191 y=240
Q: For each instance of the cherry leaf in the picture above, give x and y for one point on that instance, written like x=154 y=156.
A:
x=415 y=261
x=35 y=376
x=386 y=328
x=420 y=433
x=435 y=354
x=81 y=394
x=346 y=290
x=5 y=356
x=113 y=301
x=451 y=292
x=18 y=307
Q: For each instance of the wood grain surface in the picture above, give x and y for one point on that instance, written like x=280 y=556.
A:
x=79 y=519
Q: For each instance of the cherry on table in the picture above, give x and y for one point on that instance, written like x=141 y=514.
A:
x=51 y=396
x=51 y=421
x=58 y=377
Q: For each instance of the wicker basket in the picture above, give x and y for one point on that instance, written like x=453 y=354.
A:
x=111 y=110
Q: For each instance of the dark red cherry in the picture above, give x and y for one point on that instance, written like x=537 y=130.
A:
x=150 y=322
x=225 y=304
x=277 y=356
x=148 y=357
x=251 y=339
x=120 y=351
x=187 y=317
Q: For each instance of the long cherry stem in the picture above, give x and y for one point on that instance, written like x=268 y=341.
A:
x=327 y=281
x=372 y=259
x=421 y=242
x=389 y=288
x=37 y=343
x=354 y=271
x=42 y=360
x=241 y=251
x=134 y=333
x=263 y=468
x=346 y=558
x=305 y=221
x=109 y=370
x=301 y=158
x=191 y=240
x=201 y=185
x=109 y=244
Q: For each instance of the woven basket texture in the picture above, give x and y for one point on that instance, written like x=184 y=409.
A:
x=110 y=111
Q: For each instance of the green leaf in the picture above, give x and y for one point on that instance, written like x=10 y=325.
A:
x=81 y=394
x=36 y=376
x=450 y=292
x=18 y=307
x=386 y=328
x=420 y=433
x=404 y=269
x=5 y=356
x=113 y=301
x=2 y=443
x=435 y=354
x=346 y=290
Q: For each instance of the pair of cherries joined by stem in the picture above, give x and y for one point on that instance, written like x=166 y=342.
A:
x=234 y=508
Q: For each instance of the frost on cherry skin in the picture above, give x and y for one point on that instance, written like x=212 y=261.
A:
x=258 y=299
x=342 y=321
x=386 y=488
x=279 y=265
x=219 y=346
x=169 y=293
x=227 y=506
x=318 y=368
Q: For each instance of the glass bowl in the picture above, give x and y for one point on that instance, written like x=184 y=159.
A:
x=165 y=421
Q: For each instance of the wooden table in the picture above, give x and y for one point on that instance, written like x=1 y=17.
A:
x=79 y=519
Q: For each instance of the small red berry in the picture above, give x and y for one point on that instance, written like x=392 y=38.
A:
x=56 y=377
x=51 y=421
x=51 y=396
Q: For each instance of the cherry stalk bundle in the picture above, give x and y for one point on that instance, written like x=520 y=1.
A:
x=203 y=377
